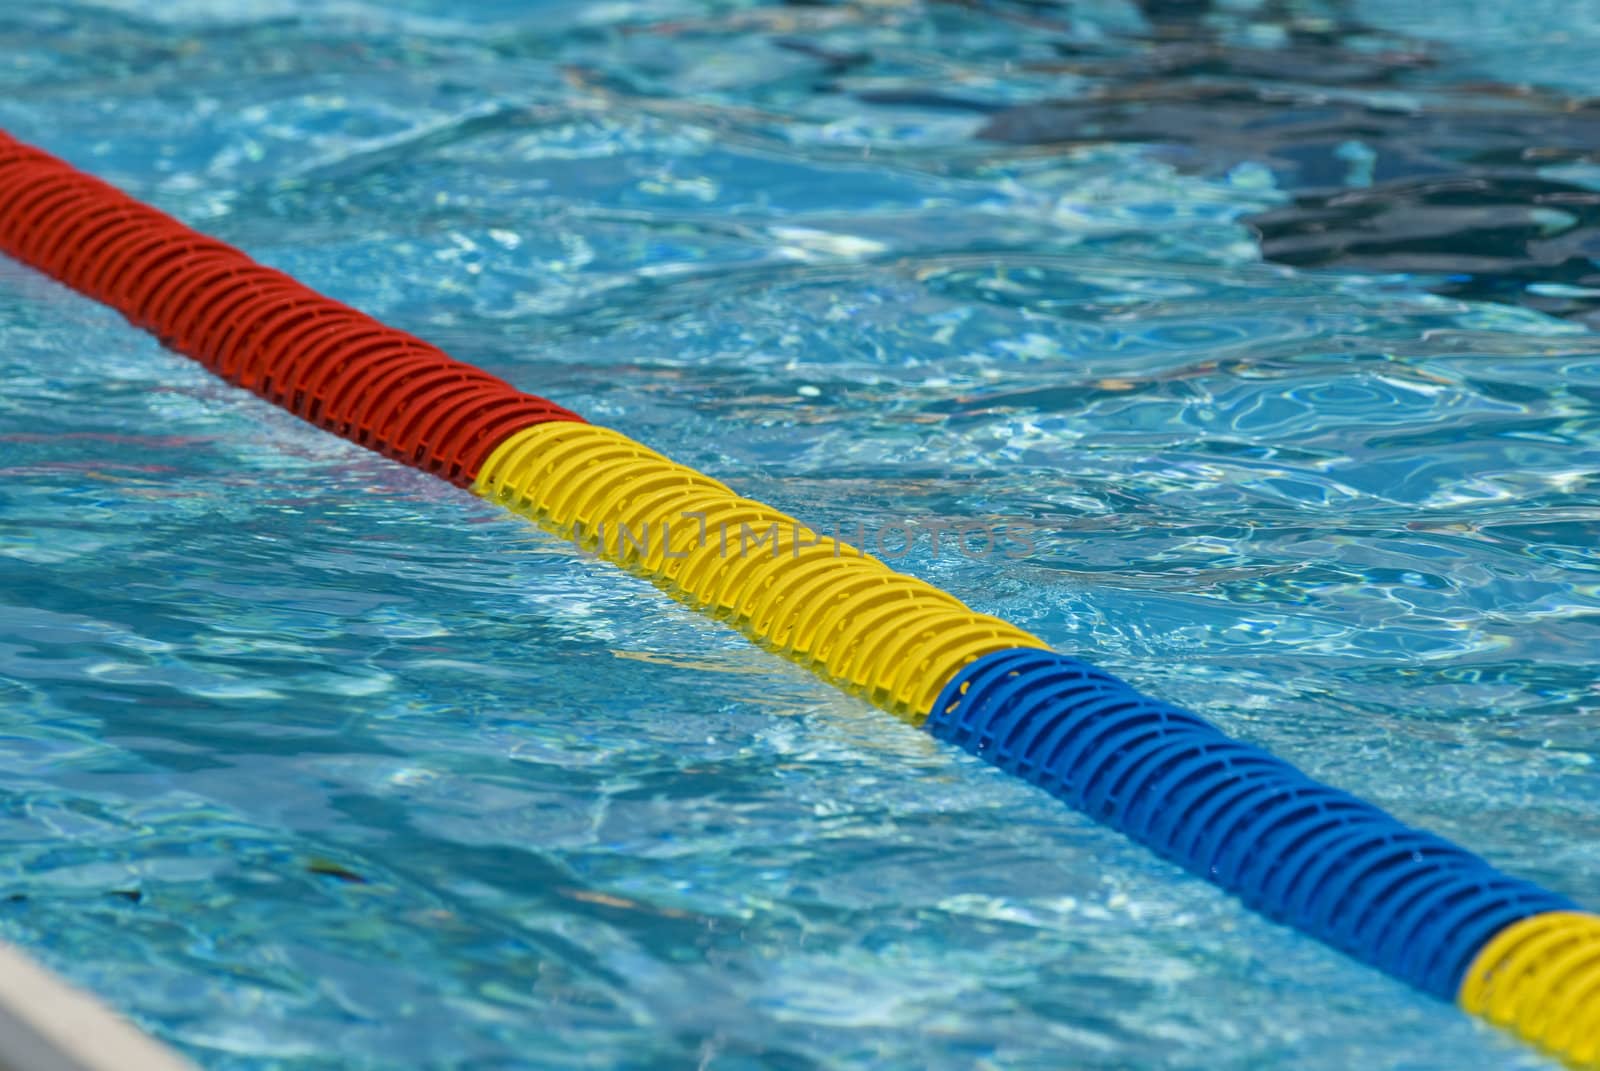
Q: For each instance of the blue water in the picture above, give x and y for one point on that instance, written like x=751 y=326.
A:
x=310 y=761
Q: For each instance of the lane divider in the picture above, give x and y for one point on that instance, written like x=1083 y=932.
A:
x=1305 y=854
x=1298 y=851
x=1541 y=979
x=890 y=638
x=255 y=327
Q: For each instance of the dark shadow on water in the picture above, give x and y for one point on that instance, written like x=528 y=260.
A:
x=1450 y=183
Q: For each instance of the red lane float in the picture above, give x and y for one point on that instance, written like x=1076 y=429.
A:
x=324 y=361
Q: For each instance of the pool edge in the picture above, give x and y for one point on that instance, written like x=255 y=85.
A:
x=47 y=1024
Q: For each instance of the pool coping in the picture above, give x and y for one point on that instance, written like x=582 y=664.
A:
x=46 y=1024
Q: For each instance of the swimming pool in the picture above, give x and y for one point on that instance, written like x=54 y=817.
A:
x=291 y=783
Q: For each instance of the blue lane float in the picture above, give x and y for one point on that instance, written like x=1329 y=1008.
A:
x=1300 y=852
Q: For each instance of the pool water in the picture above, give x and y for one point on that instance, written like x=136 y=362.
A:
x=1268 y=321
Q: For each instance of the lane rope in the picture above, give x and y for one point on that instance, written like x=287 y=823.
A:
x=258 y=328
x=1540 y=978
x=1305 y=854
x=1300 y=852
x=890 y=638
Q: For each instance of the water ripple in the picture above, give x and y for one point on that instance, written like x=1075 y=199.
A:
x=312 y=762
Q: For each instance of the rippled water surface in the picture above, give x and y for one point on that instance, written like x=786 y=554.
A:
x=1271 y=320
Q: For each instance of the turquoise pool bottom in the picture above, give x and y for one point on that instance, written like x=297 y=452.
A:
x=262 y=792
x=714 y=835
